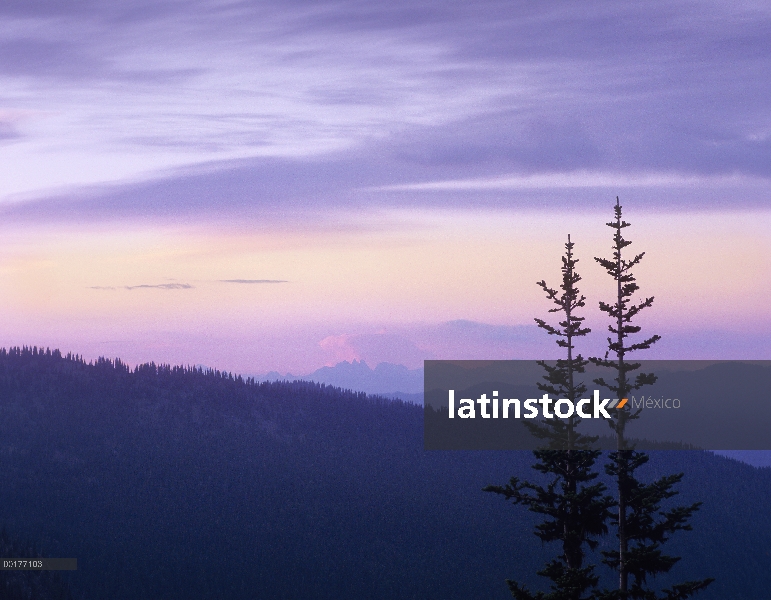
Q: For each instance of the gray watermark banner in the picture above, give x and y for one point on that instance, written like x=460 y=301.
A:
x=498 y=405
x=38 y=564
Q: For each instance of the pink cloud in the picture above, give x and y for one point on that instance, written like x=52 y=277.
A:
x=374 y=348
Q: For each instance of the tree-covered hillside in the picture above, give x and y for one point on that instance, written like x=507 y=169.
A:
x=177 y=483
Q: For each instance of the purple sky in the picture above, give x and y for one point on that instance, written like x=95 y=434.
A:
x=156 y=157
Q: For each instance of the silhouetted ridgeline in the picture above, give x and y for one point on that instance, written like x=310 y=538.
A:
x=172 y=482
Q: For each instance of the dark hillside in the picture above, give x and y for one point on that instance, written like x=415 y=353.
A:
x=177 y=483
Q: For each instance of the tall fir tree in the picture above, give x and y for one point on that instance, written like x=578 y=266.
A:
x=641 y=526
x=575 y=507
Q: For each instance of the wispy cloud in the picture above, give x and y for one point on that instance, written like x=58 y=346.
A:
x=253 y=281
x=161 y=286
x=145 y=286
x=266 y=192
x=411 y=93
x=577 y=179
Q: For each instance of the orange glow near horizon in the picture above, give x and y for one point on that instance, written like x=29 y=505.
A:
x=395 y=268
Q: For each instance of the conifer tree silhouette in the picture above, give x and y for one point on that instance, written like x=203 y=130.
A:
x=641 y=526
x=574 y=507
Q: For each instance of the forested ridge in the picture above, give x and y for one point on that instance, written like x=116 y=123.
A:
x=176 y=482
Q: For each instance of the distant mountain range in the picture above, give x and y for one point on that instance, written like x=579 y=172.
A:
x=386 y=379
x=398 y=382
